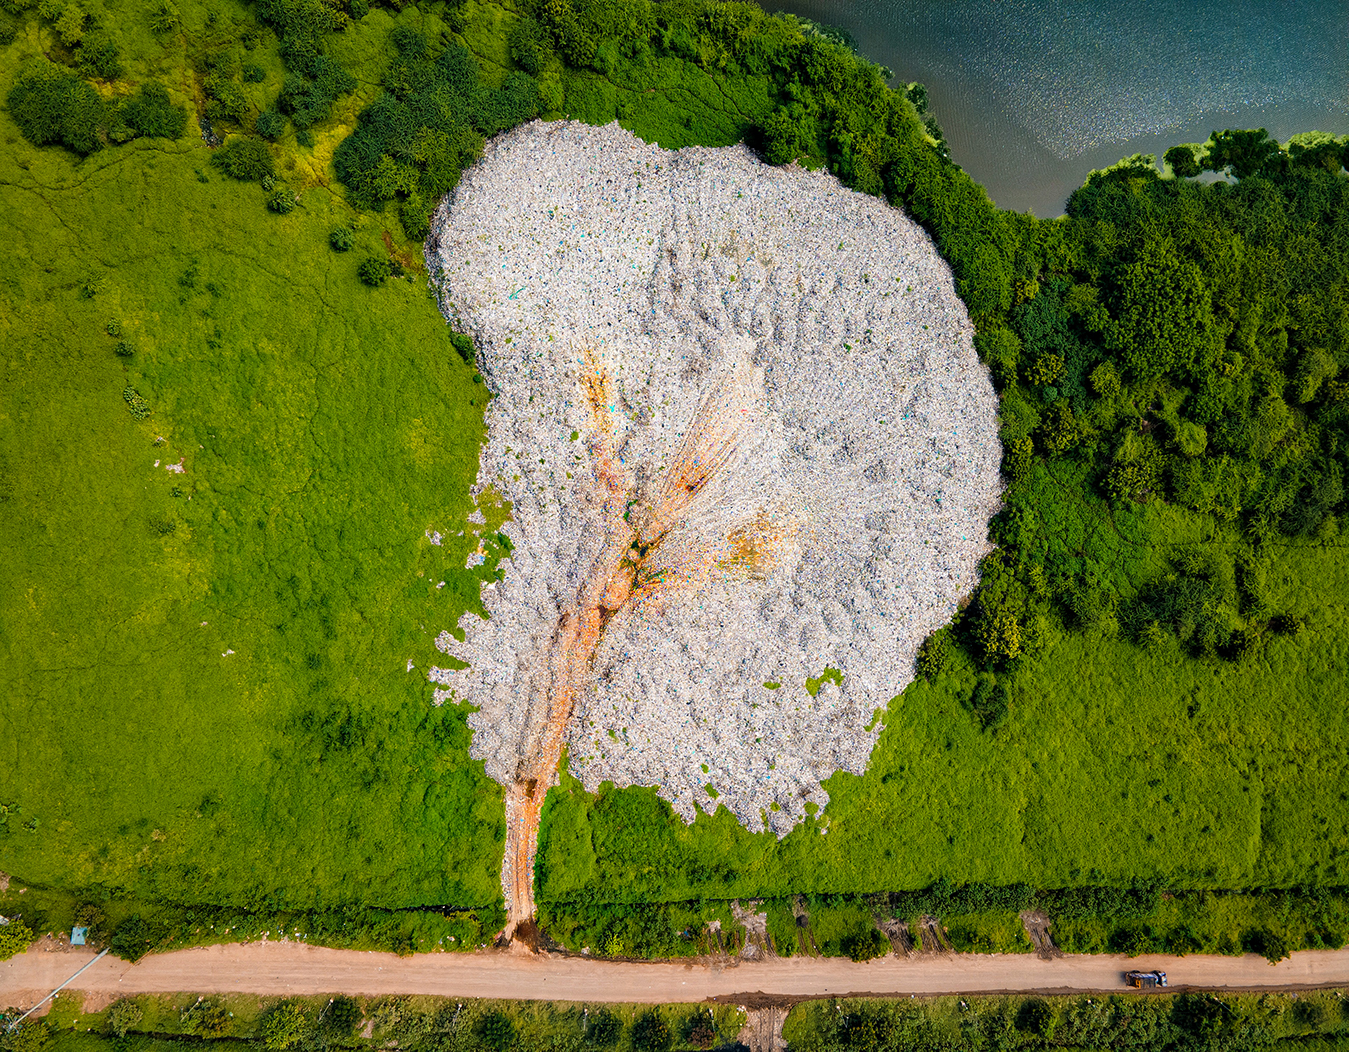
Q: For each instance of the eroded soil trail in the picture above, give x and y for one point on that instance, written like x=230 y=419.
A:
x=296 y=969
x=635 y=521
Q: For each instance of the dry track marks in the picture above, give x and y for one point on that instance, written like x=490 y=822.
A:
x=280 y=969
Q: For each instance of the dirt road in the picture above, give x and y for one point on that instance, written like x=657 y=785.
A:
x=293 y=968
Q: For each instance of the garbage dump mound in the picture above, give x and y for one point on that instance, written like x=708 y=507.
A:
x=748 y=445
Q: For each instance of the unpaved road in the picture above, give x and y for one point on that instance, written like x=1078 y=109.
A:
x=293 y=968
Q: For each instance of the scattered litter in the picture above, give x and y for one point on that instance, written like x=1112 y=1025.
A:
x=434 y=537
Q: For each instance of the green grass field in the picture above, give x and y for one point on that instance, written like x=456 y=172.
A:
x=206 y=698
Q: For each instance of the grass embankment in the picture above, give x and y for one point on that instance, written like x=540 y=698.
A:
x=1147 y=688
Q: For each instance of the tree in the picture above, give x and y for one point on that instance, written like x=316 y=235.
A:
x=788 y=134
x=124 y=1015
x=603 y=1029
x=1164 y=313
x=246 y=159
x=207 y=1017
x=284 y=1026
x=51 y=106
x=496 y=1031
x=150 y=113
x=1182 y=161
x=15 y=937
x=373 y=270
x=651 y=1033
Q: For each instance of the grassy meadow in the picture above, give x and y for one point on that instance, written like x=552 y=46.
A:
x=206 y=693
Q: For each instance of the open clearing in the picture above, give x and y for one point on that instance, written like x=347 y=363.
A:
x=296 y=969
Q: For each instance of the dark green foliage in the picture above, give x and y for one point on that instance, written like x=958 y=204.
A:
x=464 y=346
x=988 y=702
x=1182 y=161
x=1244 y=152
x=226 y=100
x=342 y=1017
x=207 y=1017
x=124 y=1015
x=31 y=1036
x=865 y=945
x=100 y=57
x=253 y=73
x=123 y=349
x=496 y=1031
x=133 y=939
x=934 y=656
x=307 y=96
x=284 y=1026
x=603 y=1028
x=341 y=239
x=246 y=159
x=270 y=125
x=374 y=270
x=281 y=201
x=651 y=1033
x=411 y=144
x=15 y=937
x=150 y=113
x=138 y=406
x=51 y=106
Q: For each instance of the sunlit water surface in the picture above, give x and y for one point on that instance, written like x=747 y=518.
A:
x=1033 y=95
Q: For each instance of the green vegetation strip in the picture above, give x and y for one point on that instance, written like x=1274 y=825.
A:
x=205 y=673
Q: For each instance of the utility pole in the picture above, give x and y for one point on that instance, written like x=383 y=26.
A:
x=11 y=1027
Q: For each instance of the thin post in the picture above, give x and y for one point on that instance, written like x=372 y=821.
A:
x=10 y=1029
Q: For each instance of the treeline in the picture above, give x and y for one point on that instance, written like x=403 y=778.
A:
x=169 y=1022
x=1188 y=1022
x=1145 y=918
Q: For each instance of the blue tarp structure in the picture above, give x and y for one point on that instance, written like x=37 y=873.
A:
x=77 y=935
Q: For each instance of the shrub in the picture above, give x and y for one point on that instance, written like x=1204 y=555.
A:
x=341 y=239
x=651 y=1033
x=150 y=113
x=207 y=1017
x=246 y=159
x=227 y=99
x=496 y=1031
x=464 y=346
x=270 y=125
x=308 y=99
x=865 y=945
x=373 y=270
x=140 y=409
x=934 y=656
x=1182 y=161
x=341 y=1018
x=124 y=1015
x=100 y=57
x=253 y=73
x=14 y=938
x=52 y=106
x=31 y=1036
x=603 y=1029
x=284 y=1026
x=281 y=201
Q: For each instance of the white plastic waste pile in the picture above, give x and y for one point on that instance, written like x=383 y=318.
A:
x=816 y=335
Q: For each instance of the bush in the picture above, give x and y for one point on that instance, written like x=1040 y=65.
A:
x=464 y=346
x=124 y=1015
x=865 y=945
x=495 y=1031
x=51 y=106
x=227 y=99
x=934 y=656
x=100 y=57
x=150 y=113
x=253 y=73
x=341 y=239
x=207 y=1017
x=651 y=1033
x=14 y=938
x=308 y=98
x=270 y=125
x=246 y=159
x=603 y=1029
x=140 y=409
x=284 y=1026
x=281 y=201
x=1182 y=161
x=373 y=270
x=341 y=1019
x=31 y=1036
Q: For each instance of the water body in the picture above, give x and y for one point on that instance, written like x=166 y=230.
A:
x=1033 y=95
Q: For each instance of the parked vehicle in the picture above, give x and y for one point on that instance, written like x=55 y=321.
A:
x=1145 y=980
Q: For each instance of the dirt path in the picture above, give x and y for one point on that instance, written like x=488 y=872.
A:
x=293 y=968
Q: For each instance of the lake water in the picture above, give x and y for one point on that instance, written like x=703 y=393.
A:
x=1033 y=95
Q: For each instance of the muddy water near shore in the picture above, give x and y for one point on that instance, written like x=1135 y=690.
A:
x=1032 y=95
